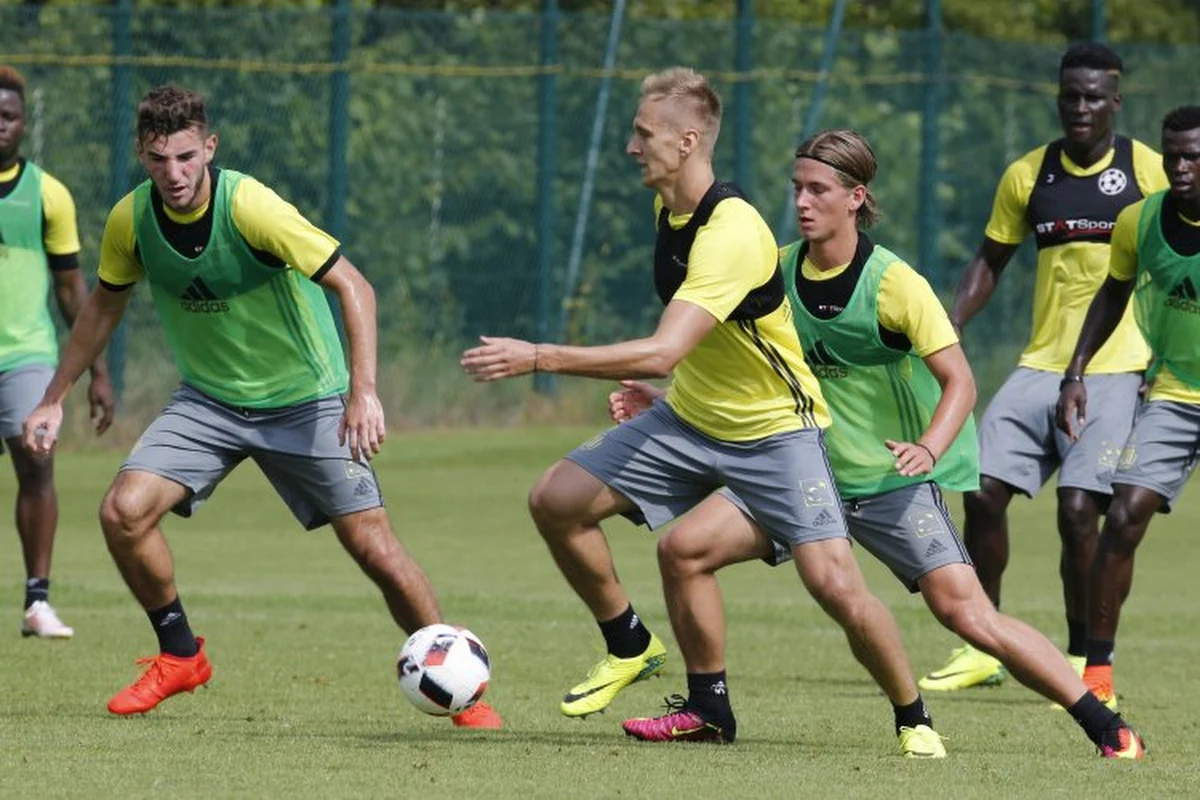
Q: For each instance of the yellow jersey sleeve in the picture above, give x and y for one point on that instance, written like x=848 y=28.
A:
x=62 y=232
x=728 y=258
x=1122 y=256
x=118 y=262
x=1008 y=223
x=907 y=304
x=269 y=223
x=1148 y=169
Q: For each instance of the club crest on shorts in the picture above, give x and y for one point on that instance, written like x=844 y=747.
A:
x=1110 y=454
x=817 y=492
x=1128 y=457
x=355 y=470
x=926 y=523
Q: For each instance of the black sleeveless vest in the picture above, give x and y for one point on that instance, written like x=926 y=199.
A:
x=1065 y=208
x=673 y=246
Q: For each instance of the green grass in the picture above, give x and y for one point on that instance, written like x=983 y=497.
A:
x=304 y=701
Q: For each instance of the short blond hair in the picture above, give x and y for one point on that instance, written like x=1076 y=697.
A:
x=687 y=85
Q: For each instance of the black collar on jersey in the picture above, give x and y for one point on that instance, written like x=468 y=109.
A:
x=6 y=187
x=189 y=239
x=1183 y=238
x=1064 y=208
x=672 y=248
x=828 y=298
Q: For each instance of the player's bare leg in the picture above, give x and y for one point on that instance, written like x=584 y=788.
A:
x=369 y=539
x=130 y=514
x=567 y=505
x=1079 y=514
x=37 y=520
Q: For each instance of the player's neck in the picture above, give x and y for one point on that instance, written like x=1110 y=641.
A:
x=836 y=251
x=687 y=187
x=1085 y=155
x=1189 y=209
x=8 y=163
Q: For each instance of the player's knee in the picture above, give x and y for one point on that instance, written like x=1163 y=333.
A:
x=988 y=502
x=1124 y=527
x=680 y=555
x=122 y=516
x=1077 y=516
x=34 y=476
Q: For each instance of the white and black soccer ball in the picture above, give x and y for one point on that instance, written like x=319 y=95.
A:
x=443 y=669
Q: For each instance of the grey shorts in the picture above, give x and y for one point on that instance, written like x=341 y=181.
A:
x=1162 y=449
x=196 y=441
x=908 y=529
x=1020 y=444
x=665 y=467
x=21 y=389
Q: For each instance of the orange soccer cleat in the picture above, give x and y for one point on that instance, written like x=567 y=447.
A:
x=166 y=675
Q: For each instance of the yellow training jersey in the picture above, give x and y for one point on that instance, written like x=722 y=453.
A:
x=61 y=234
x=907 y=304
x=747 y=378
x=1123 y=267
x=1069 y=274
x=264 y=219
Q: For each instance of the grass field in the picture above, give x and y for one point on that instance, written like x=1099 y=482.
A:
x=304 y=703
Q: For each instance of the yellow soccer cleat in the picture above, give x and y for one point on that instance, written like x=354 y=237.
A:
x=1077 y=663
x=921 y=742
x=609 y=677
x=967 y=667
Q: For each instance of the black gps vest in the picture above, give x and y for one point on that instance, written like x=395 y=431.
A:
x=1065 y=208
x=673 y=246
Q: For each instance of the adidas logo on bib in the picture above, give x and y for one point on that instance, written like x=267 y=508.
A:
x=199 y=299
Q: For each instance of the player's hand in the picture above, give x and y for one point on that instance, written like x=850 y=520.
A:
x=498 y=358
x=362 y=425
x=41 y=429
x=1071 y=413
x=102 y=401
x=911 y=458
x=634 y=398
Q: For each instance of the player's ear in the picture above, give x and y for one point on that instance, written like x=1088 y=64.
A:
x=210 y=147
x=858 y=196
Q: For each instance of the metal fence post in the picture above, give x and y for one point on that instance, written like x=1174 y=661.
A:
x=931 y=215
x=743 y=98
x=1099 y=20
x=339 y=111
x=118 y=156
x=547 y=152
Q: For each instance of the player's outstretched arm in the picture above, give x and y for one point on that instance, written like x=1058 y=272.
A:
x=949 y=365
x=71 y=293
x=979 y=281
x=363 y=423
x=89 y=335
x=1106 y=310
x=680 y=329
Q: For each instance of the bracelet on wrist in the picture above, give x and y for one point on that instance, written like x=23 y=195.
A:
x=1069 y=378
x=925 y=447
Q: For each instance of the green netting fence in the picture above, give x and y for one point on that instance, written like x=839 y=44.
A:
x=449 y=153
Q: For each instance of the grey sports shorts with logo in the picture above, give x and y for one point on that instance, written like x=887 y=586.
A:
x=1161 y=452
x=665 y=467
x=1020 y=444
x=21 y=389
x=908 y=529
x=196 y=441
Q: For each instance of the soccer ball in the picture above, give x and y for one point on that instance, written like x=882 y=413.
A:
x=443 y=669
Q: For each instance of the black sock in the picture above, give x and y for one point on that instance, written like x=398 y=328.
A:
x=1100 y=652
x=1093 y=716
x=36 y=589
x=625 y=635
x=709 y=693
x=174 y=634
x=912 y=715
x=1076 y=638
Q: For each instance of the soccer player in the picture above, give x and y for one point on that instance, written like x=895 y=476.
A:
x=39 y=249
x=743 y=410
x=236 y=275
x=1067 y=194
x=1156 y=258
x=900 y=393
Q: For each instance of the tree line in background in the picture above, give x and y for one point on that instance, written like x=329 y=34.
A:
x=1049 y=21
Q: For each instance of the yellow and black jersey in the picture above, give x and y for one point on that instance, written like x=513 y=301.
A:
x=60 y=233
x=1071 y=211
x=747 y=378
